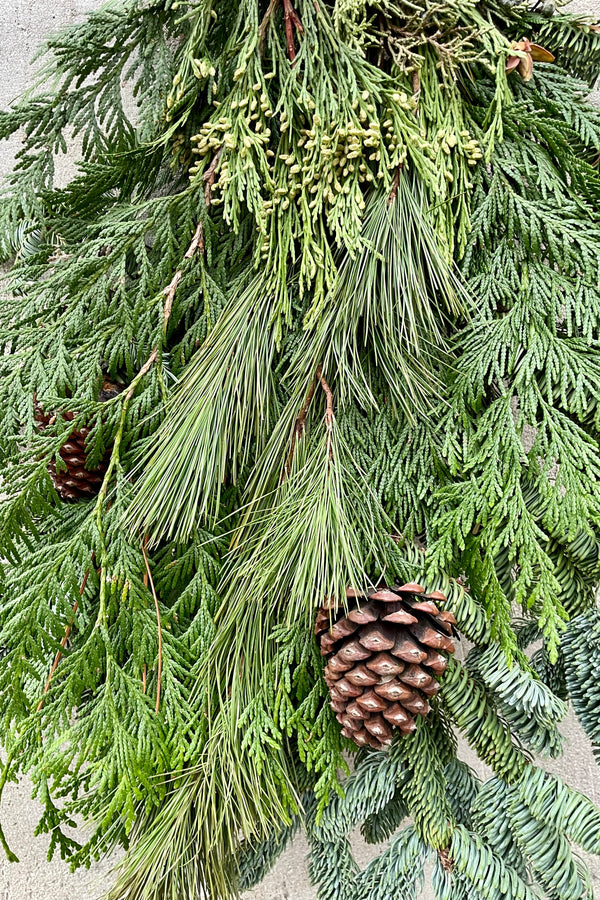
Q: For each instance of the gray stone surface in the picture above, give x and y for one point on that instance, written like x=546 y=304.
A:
x=23 y=25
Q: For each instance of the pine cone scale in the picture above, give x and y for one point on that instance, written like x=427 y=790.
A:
x=76 y=481
x=383 y=656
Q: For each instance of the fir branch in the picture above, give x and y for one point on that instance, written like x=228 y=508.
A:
x=530 y=708
x=472 y=710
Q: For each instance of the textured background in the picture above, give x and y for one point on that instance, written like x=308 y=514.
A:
x=23 y=24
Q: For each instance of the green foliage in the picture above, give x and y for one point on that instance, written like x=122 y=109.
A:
x=531 y=708
x=582 y=655
x=254 y=862
x=480 y=872
x=524 y=397
x=426 y=788
x=342 y=269
x=473 y=710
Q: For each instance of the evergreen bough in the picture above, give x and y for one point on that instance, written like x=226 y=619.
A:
x=338 y=263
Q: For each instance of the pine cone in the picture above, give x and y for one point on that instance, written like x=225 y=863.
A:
x=77 y=481
x=383 y=659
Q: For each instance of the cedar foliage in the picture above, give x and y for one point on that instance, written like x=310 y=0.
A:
x=342 y=265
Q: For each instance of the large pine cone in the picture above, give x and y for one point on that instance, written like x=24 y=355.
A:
x=77 y=481
x=383 y=659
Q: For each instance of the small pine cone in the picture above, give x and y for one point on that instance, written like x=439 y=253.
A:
x=383 y=659
x=77 y=481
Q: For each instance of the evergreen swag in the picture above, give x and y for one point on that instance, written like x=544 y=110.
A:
x=340 y=270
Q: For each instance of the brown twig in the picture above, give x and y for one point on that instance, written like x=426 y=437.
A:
x=328 y=409
x=301 y=418
x=64 y=641
x=197 y=241
x=169 y=294
x=445 y=859
x=291 y=22
x=299 y=428
x=328 y=395
x=145 y=667
x=169 y=291
x=143 y=371
x=158 y=619
x=395 y=184
x=209 y=178
x=264 y=25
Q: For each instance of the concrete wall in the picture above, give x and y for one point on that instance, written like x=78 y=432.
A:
x=23 y=25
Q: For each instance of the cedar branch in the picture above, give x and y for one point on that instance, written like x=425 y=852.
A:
x=158 y=619
x=63 y=643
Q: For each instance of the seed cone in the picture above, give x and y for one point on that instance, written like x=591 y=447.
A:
x=77 y=481
x=383 y=659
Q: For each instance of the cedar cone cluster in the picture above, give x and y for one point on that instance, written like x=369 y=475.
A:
x=383 y=657
x=77 y=481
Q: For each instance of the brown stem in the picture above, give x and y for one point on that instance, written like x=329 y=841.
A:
x=64 y=641
x=299 y=428
x=197 y=240
x=145 y=668
x=169 y=291
x=209 y=180
x=291 y=22
x=301 y=418
x=328 y=409
x=328 y=395
x=264 y=25
x=445 y=859
x=158 y=619
x=143 y=371
x=395 y=183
